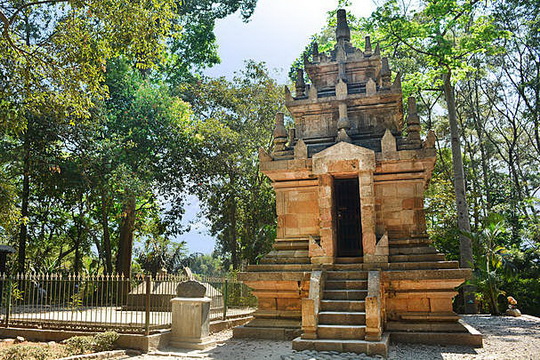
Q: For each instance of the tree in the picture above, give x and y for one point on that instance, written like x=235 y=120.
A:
x=160 y=253
x=447 y=34
x=55 y=52
x=147 y=133
x=233 y=120
x=54 y=55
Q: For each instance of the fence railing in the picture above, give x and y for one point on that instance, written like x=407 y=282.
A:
x=138 y=304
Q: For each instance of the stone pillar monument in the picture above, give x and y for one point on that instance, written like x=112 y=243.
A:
x=190 y=317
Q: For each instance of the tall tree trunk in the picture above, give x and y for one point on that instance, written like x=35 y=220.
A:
x=25 y=196
x=106 y=234
x=465 y=246
x=479 y=128
x=125 y=244
x=235 y=258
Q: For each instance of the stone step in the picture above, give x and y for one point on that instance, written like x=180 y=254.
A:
x=288 y=254
x=412 y=241
x=343 y=305
x=424 y=265
x=279 y=267
x=274 y=260
x=424 y=326
x=431 y=316
x=346 y=275
x=349 y=260
x=291 y=245
x=344 y=294
x=348 y=267
x=417 y=257
x=343 y=346
x=351 y=332
x=409 y=250
x=346 y=284
x=473 y=339
x=342 y=318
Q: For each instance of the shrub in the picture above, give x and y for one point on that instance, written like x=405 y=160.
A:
x=99 y=342
x=29 y=352
x=105 y=341
x=527 y=293
x=80 y=344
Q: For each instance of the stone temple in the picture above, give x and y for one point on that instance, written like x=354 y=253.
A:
x=352 y=266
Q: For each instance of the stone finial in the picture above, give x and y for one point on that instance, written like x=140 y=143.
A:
x=411 y=106
x=315 y=49
x=371 y=87
x=431 y=138
x=343 y=124
x=300 y=84
x=386 y=73
x=341 y=89
x=397 y=82
x=264 y=156
x=291 y=135
x=300 y=150
x=190 y=289
x=388 y=143
x=413 y=121
x=280 y=133
x=377 y=51
x=342 y=30
x=288 y=96
x=313 y=93
x=368 y=51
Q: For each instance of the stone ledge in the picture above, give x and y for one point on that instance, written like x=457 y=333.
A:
x=275 y=276
x=266 y=333
x=427 y=274
x=473 y=339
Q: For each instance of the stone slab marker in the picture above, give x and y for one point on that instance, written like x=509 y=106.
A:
x=190 y=317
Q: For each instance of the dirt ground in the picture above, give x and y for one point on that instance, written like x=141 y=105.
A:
x=504 y=338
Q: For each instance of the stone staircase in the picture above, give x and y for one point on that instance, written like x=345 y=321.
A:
x=342 y=317
x=416 y=253
x=342 y=313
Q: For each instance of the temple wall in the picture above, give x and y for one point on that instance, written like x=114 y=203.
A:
x=399 y=208
x=297 y=210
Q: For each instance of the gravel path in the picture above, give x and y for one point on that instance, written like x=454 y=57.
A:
x=504 y=338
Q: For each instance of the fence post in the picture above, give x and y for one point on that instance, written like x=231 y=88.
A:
x=8 y=300
x=148 y=281
x=225 y=298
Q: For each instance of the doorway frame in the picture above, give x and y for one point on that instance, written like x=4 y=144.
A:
x=341 y=161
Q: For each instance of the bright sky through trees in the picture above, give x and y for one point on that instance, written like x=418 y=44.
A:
x=277 y=33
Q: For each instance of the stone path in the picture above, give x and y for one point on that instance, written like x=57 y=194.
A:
x=504 y=338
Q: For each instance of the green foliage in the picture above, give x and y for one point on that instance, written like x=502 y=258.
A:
x=492 y=261
x=55 y=52
x=159 y=253
x=105 y=341
x=85 y=344
x=80 y=344
x=204 y=264
x=527 y=293
x=234 y=119
x=30 y=352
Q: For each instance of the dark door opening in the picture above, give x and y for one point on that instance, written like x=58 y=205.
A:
x=349 y=229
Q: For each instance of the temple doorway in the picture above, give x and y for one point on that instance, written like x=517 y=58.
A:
x=349 y=228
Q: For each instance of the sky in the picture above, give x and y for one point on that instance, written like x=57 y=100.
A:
x=277 y=33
